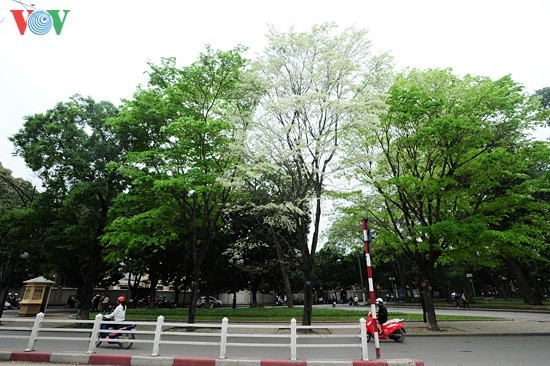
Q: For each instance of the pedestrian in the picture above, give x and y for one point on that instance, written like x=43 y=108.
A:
x=464 y=301
x=356 y=301
x=71 y=302
x=457 y=298
x=105 y=303
x=95 y=302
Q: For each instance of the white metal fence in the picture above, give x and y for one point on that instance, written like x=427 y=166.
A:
x=163 y=333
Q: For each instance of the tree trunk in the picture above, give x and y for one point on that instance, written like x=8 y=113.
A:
x=90 y=275
x=177 y=290
x=402 y=280
x=154 y=278
x=94 y=261
x=194 y=295
x=308 y=297
x=429 y=306
x=525 y=288
x=536 y=287
x=284 y=272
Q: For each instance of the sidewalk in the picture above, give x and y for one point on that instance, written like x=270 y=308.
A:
x=480 y=327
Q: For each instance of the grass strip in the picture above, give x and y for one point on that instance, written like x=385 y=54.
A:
x=241 y=315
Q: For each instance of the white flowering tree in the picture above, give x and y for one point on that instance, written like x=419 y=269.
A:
x=321 y=87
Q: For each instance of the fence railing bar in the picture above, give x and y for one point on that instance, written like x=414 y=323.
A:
x=293 y=341
x=221 y=335
x=244 y=335
x=339 y=326
x=158 y=334
x=320 y=336
x=191 y=334
x=8 y=329
x=223 y=338
x=214 y=344
x=354 y=345
x=94 y=335
x=34 y=332
x=282 y=345
x=66 y=330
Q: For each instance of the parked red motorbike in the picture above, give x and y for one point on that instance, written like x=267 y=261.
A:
x=392 y=329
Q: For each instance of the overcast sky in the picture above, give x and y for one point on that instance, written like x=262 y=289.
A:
x=104 y=45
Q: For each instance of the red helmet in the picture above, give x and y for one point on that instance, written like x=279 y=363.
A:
x=121 y=298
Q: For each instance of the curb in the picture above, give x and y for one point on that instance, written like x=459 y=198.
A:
x=128 y=360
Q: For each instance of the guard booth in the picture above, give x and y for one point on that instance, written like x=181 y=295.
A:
x=35 y=297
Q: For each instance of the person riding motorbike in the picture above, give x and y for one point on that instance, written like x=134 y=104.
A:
x=382 y=313
x=119 y=314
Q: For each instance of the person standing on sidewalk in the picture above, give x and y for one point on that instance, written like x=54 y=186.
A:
x=457 y=298
x=464 y=301
x=105 y=303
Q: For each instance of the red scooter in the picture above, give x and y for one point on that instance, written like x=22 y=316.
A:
x=392 y=329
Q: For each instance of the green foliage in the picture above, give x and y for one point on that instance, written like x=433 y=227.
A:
x=71 y=148
x=544 y=95
x=183 y=135
x=447 y=147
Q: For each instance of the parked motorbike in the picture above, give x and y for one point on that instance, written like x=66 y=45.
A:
x=109 y=331
x=12 y=302
x=392 y=329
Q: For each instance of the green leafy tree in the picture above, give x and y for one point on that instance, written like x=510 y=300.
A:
x=184 y=135
x=19 y=230
x=262 y=208
x=432 y=165
x=544 y=94
x=518 y=230
x=70 y=147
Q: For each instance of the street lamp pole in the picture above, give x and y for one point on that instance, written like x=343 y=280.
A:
x=504 y=287
x=239 y=262
x=394 y=290
x=469 y=276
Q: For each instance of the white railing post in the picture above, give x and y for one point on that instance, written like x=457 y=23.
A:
x=158 y=332
x=223 y=340
x=293 y=342
x=34 y=332
x=364 y=349
x=95 y=333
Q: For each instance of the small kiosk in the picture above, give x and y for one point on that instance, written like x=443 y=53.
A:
x=35 y=297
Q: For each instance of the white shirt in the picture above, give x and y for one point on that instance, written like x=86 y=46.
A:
x=119 y=314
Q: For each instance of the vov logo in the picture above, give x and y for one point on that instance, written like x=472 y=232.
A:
x=38 y=22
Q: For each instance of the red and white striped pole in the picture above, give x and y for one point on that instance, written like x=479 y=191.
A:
x=366 y=242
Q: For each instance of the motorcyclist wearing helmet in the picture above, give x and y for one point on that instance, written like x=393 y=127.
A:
x=119 y=314
x=382 y=313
